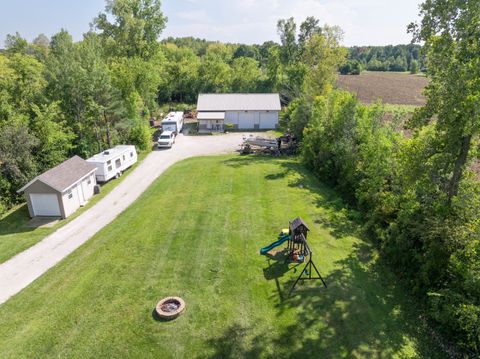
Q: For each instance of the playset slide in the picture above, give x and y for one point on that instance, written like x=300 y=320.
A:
x=268 y=248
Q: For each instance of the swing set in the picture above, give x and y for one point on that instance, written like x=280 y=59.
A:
x=297 y=251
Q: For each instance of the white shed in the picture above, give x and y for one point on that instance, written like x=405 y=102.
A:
x=61 y=190
x=259 y=111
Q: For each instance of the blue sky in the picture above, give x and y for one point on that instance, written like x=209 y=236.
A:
x=365 y=22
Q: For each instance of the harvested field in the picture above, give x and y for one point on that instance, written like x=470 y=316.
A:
x=396 y=88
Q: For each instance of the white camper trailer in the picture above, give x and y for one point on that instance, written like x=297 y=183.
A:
x=173 y=122
x=112 y=162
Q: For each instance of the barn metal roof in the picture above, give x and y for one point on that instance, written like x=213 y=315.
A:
x=211 y=116
x=239 y=102
x=64 y=175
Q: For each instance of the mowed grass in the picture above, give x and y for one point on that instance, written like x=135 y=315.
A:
x=16 y=235
x=196 y=233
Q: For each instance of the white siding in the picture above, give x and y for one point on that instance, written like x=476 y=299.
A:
x=268 y=120
x=70 y=204
x=80 y=192
x=252 y=119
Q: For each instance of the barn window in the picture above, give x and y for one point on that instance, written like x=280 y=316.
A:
x=70 y=194
x=89 y=180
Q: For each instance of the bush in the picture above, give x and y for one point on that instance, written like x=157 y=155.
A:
x=351 y=68
x=141 y=135
x=432 y=246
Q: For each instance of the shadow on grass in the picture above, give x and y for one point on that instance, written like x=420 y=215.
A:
x=339 y=219
x=234 y=344
x=362 y=313
x=16 y=221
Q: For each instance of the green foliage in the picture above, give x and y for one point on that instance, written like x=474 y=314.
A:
x=17 y=160
x=237 y=300
x=54 y=137
x=246 y=75
x=351 y=68
x=397 y=184
x=414 y=67
x=140 y=134
x=388 y=58
x=131 y=28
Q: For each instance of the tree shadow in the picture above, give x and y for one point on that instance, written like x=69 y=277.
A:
x=233 y=343
x=16 y=221
x=338 y=218
x=362 y=313
x=247 y=160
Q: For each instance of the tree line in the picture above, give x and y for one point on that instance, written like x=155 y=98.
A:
x=59 y=97
x=416 y=195
x=399 y=58
x=412 y=184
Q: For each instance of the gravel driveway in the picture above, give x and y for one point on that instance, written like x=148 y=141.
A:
x=24 y=268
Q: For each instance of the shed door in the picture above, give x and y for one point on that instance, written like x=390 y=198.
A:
x=45 y=204
x=268 y=120
x=246 y=120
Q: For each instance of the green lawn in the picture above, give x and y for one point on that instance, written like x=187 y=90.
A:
x=16 y=236
x=196 y=232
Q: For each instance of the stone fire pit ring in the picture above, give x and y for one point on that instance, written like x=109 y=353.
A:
x=170 y=307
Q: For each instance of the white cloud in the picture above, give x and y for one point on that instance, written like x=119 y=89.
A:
x=254 y=21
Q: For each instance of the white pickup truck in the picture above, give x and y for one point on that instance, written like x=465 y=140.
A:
x=166 y=139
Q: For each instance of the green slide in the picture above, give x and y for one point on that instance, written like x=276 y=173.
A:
x=268 y=248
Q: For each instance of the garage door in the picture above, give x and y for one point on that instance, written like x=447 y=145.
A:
x=246 y=120
x=45 y=204
x=268 y=120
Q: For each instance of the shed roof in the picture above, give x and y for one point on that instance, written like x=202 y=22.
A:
x=64 y=175
x=297 y=222
x=211 y=116
x=239 y=102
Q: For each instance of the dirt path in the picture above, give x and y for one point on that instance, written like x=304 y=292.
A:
x=21 y=270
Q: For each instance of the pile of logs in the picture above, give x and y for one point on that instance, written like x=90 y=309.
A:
x=260 y=145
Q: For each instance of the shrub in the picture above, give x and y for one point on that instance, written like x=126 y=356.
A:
x=432 y=245
x=141 y=135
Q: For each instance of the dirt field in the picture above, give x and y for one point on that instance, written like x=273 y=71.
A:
x=391 y=87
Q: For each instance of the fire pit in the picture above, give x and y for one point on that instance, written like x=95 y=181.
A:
x=170 y=307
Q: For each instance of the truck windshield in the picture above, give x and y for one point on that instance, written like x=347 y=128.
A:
x=165 y=137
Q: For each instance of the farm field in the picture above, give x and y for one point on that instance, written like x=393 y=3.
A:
x=396 y=88
x=198 y=236
x=16 y=236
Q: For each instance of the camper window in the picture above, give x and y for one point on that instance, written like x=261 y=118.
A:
x=109 y=168
x=131 y=154
x=109 y=162
x=123 y=157
x=118 y=163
